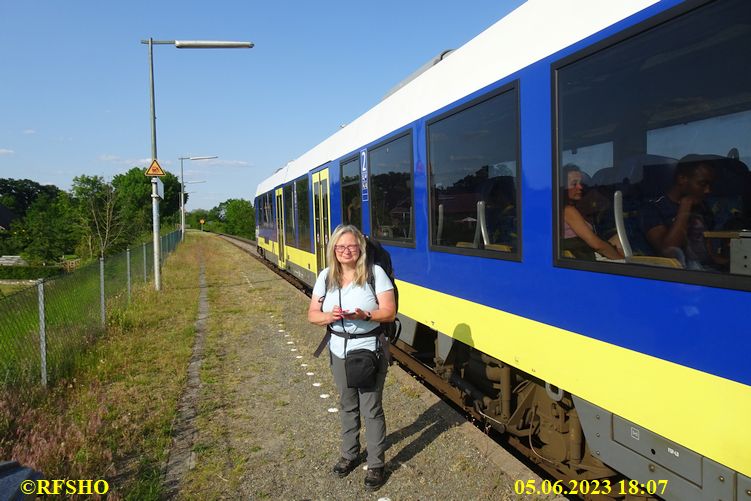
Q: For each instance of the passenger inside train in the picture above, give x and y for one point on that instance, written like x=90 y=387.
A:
x=681 y=214
x=580 y=240
x=675 y=223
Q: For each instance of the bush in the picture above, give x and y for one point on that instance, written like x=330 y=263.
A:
x=29 y=272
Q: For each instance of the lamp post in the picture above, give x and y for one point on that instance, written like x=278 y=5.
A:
x=182 y=192
x=180 y=44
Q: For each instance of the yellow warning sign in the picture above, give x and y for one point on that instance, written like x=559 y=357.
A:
x=155 y=169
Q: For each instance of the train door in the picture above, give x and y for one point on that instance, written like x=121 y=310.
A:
x=321 y=213
x=280 y=227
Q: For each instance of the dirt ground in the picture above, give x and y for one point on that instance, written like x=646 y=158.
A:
x=267 y=423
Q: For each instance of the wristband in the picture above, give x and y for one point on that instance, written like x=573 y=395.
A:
x=369 y=316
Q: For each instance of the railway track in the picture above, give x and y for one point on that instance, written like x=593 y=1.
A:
x=404 y=355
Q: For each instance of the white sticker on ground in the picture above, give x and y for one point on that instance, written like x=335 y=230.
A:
x=303 y=365
x=298 y=356
x=324 y=395
x=316 y=384
x=293 y=349
x=333 y=409
x=280 y=330
x=310 y=373
x=290 y=342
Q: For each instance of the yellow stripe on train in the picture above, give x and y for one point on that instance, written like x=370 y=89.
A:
x=301 y=258
x=702 y=412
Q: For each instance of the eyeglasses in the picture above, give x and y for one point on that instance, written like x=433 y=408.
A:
x=342 y=248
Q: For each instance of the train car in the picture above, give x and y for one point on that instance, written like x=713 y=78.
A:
x=503 y=179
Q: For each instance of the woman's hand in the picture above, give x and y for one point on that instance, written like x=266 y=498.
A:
x=358 y=314
x=337 y=313
x=322 y=318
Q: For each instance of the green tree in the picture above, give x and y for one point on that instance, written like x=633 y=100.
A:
x=134 y=194
x=49 y=230
x=99 y=214
x=193 y=218
x=239 y=218
x=169 y=208
x=18 y=194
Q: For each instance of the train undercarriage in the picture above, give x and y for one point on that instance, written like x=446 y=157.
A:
x=539 y=421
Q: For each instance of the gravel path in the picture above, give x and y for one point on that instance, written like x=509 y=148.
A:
x=268 y=424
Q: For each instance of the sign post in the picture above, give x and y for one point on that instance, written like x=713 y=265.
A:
x=157 y=192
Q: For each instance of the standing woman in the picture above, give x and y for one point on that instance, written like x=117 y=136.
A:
x=345 y=304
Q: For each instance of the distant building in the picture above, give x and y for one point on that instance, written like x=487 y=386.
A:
x=13 y=261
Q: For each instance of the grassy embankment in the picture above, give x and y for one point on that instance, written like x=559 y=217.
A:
x=113 y=419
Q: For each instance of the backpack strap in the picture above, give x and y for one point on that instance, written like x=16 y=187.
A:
x=323 y=343
x=371 y=282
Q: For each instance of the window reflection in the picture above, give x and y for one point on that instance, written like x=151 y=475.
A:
x=391 y=190
x=659 y=127
x=351 y=195
x=473 y=165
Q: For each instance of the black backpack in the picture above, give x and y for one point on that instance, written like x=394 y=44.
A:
x=376 y=254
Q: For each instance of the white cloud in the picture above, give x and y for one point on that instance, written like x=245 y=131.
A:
x=29 y=131
x=4 y=151
x=130 y=162
x=204 y=165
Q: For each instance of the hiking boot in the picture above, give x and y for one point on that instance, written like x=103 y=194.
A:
x=374 y=479
x=344 y=467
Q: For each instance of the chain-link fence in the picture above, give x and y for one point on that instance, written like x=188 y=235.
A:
x=45 y=327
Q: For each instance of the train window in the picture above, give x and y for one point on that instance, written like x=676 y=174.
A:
x=303 y=214
x=473 y=156
x=391 y=190
x=268 y=209
x=654 y=143
x=351 y=194
x=289 y=216
x=257 y=209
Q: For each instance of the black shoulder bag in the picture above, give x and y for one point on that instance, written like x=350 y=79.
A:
x=360 y=366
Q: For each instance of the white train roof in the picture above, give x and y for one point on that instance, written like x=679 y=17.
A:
x=537 y=29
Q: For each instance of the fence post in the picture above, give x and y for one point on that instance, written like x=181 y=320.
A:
x=145 y=278
x=42 y=332
x=101 y=290
x=127 y=256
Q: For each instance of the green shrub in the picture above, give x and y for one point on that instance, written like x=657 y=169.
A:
x=29 y=272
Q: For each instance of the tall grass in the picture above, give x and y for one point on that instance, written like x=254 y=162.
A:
x=111 y=417
x=72 y=316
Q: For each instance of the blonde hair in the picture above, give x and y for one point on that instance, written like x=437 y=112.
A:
x=334 y=278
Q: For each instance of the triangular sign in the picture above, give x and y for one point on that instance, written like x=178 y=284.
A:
x=155 y=169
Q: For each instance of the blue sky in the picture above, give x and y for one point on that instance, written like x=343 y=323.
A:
x=74 y=88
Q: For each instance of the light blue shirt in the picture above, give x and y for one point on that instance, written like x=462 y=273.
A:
x=353 y=296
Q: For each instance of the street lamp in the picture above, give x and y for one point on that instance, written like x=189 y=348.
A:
x=182 y=192
x=180 y=44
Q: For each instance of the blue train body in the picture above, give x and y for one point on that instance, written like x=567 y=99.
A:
x=666 y=350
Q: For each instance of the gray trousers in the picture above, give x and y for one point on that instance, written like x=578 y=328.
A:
x=355 y=402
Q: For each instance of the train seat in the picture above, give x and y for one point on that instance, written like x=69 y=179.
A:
x=625 y=235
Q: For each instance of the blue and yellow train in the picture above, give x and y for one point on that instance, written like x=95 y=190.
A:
x=567 y=202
